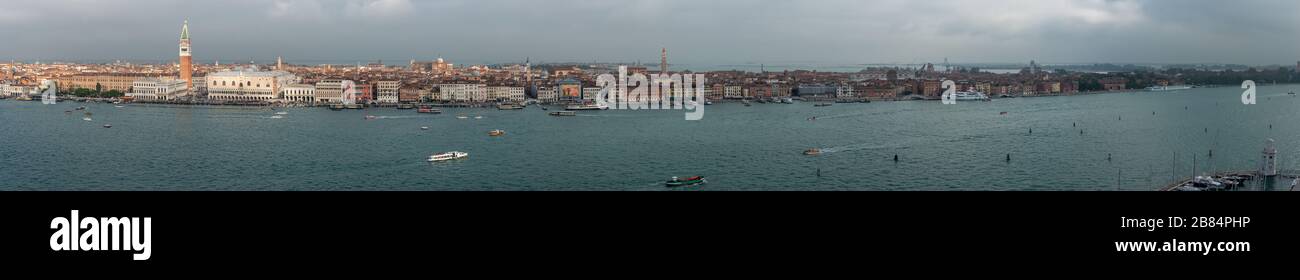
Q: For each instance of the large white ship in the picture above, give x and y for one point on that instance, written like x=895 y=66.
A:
x=1168 y=88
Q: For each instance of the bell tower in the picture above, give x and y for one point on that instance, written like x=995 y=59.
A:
x=187 y=62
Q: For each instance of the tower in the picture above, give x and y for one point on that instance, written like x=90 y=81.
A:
x=663 y=61
x=187 y=67
x=1268 y=162
x=279 y=63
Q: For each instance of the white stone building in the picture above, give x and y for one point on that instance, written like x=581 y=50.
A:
x=547 y=94
x=331 y=90
x=462 y=92
x=386 y=91
x=299 y=93
x=248 y=85
x=157 y=89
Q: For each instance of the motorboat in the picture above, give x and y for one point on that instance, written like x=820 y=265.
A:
x=277 y=117
x=369 y=117
x=823 y=105
x=478 y=117
x=496 y=132
x=812 y=152
x=424 y=128
x=676 y=182
x=462 y=117
x=281 y=113
x=509 y=107
x=453 y=155
x=108 y=126
x=86 y=119
x=564 y=113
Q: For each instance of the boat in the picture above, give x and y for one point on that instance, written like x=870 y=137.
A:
x=564 y=113
x=406 y=106
x=277 y=117
x=1168 y=88
x=1291 y=93
x=544 y=108
x=687 y=182
x=1004 y=113
x=108 y=126
x=281 y=113
x=971 y=96
x=787 y=100
x=478 y=117
x=119 y=106
x=337 y=107
x=453 y=155
x=462 y=116
x=369 y=117
x=86 y=119
x=426 y=109
x=509 y=107
x=496 y=132
x=587 y=107
x=823 y=105
x=424 y=128
x=81 y=108
x=707 y=103
x=812 y=152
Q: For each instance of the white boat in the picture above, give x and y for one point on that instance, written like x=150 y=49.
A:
x=581 y=107
x=462 y=117
x=277 y=117
x=478 y=117
x=120 y=106
x=424 y=128
x=971 y=96
x=1168 y=88
x=86 y=119
x=281 y=113
x=453 y=155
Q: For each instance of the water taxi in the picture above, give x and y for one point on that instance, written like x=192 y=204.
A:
x=369 y=117
x=108 y=126
x=564 y=113
x=281 y=113
x=509 y=107
x=424 y=128
x=86 y=119
x=496 y=132
x=478 y=117
x=453 y=155
x=277 y=117
x=812 y=152
x=823 y=105
x=406 y=106
x=462 y=116
x=687 y=182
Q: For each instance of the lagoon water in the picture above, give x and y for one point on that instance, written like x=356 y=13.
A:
x=941 y=147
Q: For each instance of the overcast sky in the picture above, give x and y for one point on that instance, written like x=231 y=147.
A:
x=694 y=31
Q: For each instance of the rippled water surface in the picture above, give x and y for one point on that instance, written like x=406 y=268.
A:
x=940 y=147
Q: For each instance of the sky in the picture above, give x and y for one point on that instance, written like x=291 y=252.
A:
x=1255 y=32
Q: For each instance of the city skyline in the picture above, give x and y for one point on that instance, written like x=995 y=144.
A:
x=847 y=32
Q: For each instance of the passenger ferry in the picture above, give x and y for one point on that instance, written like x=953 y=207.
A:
x=586 y=107
x=453 y=155
x=426 y=109
x=971 y=96
x=1169 y=88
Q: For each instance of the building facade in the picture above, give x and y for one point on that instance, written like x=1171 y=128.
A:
x=506 y=93
x=387 y=91
x=248 y=85
x=299 y=93
x=462 y=92
x=118 y=82
x=157 y=89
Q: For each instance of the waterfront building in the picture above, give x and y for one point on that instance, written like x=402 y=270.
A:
x=332 y=90
x=200 y=87
x=388 y=91
x=505 y=93
x=846 y=92
x=299 y=93
x=187 y=61
x=248 y=85
x=462 y=92
x=157 y=89
x=365 y=93
x=103 y=82
x=590 y=93
x=820 y=91
x=734 y=92
x=1114 y=83
x=412 y=95
x=547 y=94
